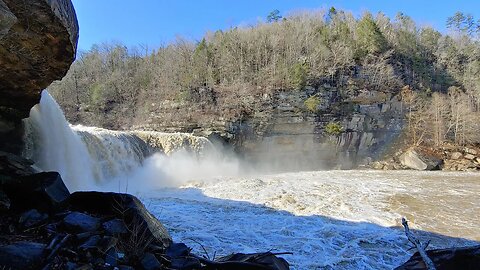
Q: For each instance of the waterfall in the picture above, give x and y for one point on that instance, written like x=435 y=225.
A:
x=86 y=157
x=90 y=158
x=54 y=146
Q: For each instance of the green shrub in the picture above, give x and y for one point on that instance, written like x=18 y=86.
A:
x=312 y=103
x=333 y=128
x=299 y=75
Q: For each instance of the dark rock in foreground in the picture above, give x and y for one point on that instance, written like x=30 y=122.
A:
x=22 y=255
x=95 y=230
x=79 y=222
x=43 y=191
x=466 y=258
x=124 y=206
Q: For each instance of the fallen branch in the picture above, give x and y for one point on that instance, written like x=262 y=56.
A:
x=420 y=247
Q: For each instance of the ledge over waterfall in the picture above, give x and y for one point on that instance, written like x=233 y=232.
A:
x=38 y=42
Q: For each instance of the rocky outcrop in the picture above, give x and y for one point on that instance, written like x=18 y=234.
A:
x=466 y=159
x=38 y=43
x=283 y=132
x=293 y=136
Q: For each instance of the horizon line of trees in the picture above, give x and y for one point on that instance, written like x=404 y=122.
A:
x=226 y=75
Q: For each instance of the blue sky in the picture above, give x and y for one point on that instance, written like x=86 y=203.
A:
x=156 y=22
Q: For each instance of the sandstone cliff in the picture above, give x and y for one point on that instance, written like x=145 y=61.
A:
x=38 y=43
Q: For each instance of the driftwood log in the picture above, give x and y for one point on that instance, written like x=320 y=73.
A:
x=421 y=247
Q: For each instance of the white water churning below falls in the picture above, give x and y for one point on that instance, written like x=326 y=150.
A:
x=329 y=219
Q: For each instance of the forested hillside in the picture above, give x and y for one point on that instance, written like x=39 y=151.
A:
x=226 y=75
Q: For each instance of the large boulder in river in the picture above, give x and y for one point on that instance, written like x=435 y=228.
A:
x=414 y=160
x=38 y=42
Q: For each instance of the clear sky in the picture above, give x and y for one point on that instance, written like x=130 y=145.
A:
x=155 y=22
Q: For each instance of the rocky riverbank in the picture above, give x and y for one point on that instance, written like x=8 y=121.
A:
x=43 y=226
x=447 y=158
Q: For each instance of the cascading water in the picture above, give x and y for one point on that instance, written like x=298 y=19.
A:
x=54 y=146
x=90 y=158
x=85 y=157
x=331 y=219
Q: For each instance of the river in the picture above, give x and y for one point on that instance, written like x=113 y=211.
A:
x=328 y=219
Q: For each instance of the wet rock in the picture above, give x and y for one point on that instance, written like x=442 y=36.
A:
x=266 y=260
x=115 y=227
x=177 y=250
x=446 y=259
x=79 y=222
x=4 y=201
x=31 y=218
x=188 y=263
x=14 y=166
x=43 y=191
x=21 y=255
x=107 y=243
x=123 y=206
x=150 y=262
x=111 y=257
x=91 y=243
x=456 y=155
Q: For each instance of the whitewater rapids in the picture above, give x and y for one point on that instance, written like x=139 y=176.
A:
x=328 y=219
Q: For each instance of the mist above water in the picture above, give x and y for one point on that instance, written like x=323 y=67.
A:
x=91 y=158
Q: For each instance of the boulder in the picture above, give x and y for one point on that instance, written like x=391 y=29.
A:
x=469 y=156
x=150 y=262
x=31 y=218
x=446 y=259
x=125 y=207
x=43 y=191
x=456 y=155
x=111 y=257
x=177 y=250
x=413 y=160
x=14 y=166
x=470 y=151
x=91 y=243
x=187 y=263
x=79 y=222
x=115 y=227
x=38 y=43
x=4 y=201
x=22 y=255
x=265 y=260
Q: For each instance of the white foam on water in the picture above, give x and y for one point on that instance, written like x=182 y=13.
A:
x=329 y=219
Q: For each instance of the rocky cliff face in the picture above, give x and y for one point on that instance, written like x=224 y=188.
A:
x=285 y=132
x=290 y=135
x=38 y=42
